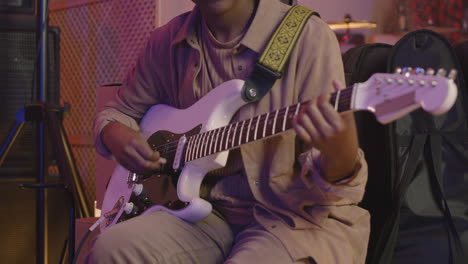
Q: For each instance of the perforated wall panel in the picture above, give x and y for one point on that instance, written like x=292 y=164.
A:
x=100 y=42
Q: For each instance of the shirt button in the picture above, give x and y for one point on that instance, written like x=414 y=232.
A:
x=240 y=68
x=257 y=182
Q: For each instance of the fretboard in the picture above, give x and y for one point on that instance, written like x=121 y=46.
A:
x=256 y=128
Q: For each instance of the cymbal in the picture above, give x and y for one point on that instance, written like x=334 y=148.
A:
x=351 y=24
x=442 y=30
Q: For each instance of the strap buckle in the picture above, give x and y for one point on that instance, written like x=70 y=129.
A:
x=259 y=83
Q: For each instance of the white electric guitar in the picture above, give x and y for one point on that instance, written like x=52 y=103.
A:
x=195 y=144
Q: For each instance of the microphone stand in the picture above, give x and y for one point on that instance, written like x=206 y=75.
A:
x=48 y=120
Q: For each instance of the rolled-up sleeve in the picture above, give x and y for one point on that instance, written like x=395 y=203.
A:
x=140 y=90
x=347 y=191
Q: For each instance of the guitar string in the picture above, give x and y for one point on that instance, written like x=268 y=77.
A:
x=242 y=130
x=172 y=146
x=344 y=99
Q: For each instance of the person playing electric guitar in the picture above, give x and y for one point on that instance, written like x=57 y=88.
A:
x=291 y=198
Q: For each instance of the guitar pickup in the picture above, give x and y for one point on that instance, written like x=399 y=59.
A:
x=179 y=152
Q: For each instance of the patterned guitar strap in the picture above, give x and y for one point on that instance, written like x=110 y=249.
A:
x=270 y=65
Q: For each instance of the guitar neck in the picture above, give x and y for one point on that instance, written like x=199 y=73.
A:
x=256 y=128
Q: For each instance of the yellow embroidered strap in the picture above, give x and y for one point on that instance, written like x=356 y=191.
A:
x=278 y=49
x=268 y=68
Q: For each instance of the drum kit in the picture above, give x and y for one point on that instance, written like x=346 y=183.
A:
x=346 y=39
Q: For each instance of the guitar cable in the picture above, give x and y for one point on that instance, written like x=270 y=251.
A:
x=85 y=237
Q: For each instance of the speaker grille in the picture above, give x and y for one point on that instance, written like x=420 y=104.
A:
x=18 y=54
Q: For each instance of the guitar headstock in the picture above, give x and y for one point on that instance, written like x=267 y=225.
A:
x=390 y=96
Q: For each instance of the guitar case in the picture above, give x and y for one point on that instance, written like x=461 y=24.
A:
x=430 y=196
x=461 y=50
x=418 y=166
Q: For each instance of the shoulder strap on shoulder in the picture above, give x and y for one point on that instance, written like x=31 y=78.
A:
x=270 y=65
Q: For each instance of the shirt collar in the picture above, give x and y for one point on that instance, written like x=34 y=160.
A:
x=189 y=28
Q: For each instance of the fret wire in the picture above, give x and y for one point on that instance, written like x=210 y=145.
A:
x=337 y=99
x=202 y=144
x=265 y=125
x=274 y=122
x=217 y=134
x=210 y=143
x=248 y=130
x=227 y=138
x=213 y=140
x=192 y=147
x=234 y=135
x=285 y=118
x=197 y=147
x=240 y=134
x=222 y=138
x=256 y=128
x=205 y=143
x=297 y=109
x=202 y=141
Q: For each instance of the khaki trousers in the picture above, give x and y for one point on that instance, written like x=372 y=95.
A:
x=160 y=237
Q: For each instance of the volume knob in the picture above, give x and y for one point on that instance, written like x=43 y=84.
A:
x=130 y=209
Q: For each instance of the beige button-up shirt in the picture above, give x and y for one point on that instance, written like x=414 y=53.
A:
x=309 y=215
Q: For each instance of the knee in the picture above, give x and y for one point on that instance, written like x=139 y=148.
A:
x=115 y=245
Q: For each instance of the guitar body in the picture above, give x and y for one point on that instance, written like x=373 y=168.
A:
x=162 y=124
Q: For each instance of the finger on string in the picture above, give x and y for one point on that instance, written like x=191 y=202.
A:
x=302 y=134
x=338 y=85
x=332 y=117
x=307 y=123
x=319 y=122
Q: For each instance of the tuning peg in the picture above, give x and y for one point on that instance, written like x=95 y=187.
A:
x=398 y=70
x=407 y=71
x=418 y=71
x=441 y=72
x=452 y=74
x=430 y=71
